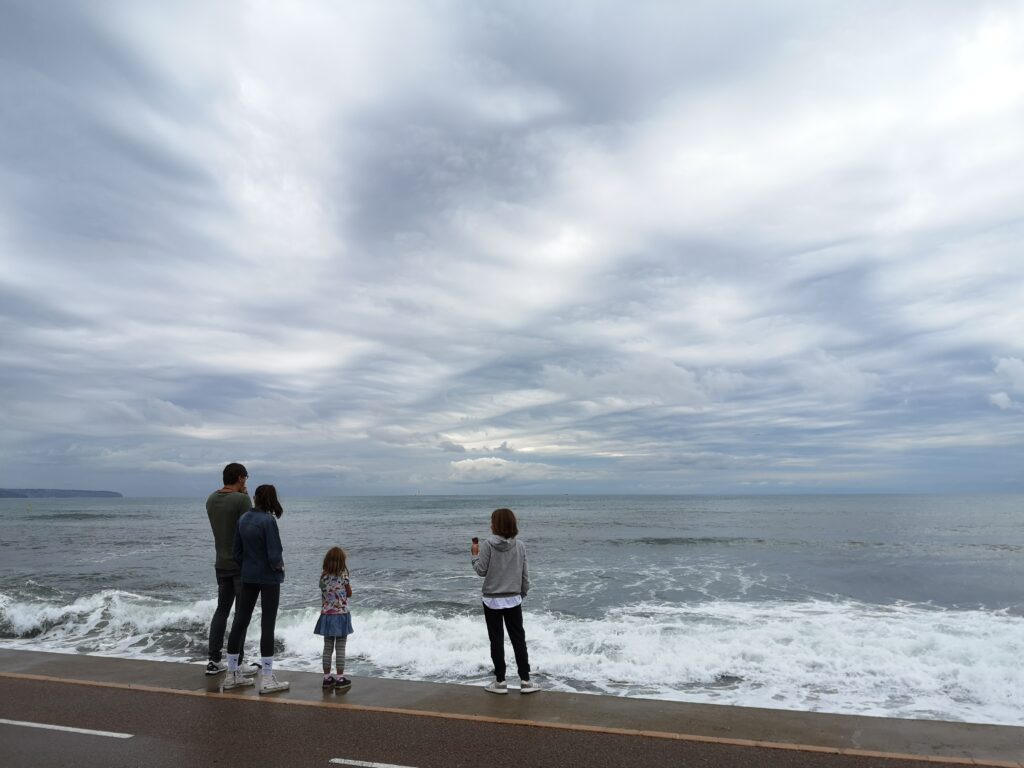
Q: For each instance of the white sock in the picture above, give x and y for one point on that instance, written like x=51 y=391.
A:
x=232 y=662
x=268 y=665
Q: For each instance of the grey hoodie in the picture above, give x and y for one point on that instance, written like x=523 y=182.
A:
x=502 y=563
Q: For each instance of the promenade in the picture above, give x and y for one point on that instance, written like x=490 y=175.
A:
x=81 y=711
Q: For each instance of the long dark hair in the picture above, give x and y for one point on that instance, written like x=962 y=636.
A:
x=265 y=500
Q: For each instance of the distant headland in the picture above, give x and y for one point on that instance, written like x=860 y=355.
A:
x=54 y=493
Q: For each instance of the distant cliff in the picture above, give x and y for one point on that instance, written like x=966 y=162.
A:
x=54 y=493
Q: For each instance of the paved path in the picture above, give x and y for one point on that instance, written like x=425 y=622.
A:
x=159 y=714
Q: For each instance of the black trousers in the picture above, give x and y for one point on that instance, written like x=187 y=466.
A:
x=497 y=621
x=229 y=587
x=270 y=597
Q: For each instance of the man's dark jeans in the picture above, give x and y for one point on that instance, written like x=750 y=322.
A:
x=229 y=587
x=513 y=621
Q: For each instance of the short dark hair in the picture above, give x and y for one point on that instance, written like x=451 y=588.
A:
x=503 y=523
x=265 y=500
x=234 y=472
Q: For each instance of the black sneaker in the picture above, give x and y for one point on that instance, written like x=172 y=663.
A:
x=216 y=667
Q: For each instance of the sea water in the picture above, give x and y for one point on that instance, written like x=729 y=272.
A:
x=900 y=606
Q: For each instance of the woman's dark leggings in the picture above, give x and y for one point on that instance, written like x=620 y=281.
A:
x=269 y=596
x=512 y=618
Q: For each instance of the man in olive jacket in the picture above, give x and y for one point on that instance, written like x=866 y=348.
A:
x=224 y=508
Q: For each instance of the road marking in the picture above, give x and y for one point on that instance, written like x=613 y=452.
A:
x=363 y=764
x=68 y=728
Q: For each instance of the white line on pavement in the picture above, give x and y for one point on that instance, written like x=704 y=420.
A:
x=363 y=764
x=69 y=729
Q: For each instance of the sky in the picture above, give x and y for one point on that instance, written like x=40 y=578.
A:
x=512 y=248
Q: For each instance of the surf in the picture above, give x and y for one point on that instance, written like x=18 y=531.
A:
x=843 y=656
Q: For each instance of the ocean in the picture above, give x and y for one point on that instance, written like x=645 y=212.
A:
x=898 y=606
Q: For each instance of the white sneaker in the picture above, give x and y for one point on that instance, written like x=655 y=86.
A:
x=251 y=669
x=237 y=680
x=273 y=685
x=496 y=687
x=528 y=686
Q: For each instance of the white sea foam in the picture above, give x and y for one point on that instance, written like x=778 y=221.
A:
x=406 y=645
x=848 y=657
x=904 y=661
x=111 y=622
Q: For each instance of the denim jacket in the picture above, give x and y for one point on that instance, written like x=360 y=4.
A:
x=258 y=548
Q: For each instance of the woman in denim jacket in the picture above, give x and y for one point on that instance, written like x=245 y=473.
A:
x=258 y=550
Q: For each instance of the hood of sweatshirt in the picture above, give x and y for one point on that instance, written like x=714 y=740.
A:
x=499 y=543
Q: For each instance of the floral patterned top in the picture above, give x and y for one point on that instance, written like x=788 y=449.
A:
x=332 y=594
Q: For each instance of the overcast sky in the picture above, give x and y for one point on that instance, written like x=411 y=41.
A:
x=519 y=247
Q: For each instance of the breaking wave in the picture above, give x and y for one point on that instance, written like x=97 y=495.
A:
x=902 y=660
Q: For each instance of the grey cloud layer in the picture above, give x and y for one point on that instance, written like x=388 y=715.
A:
x=655 y=248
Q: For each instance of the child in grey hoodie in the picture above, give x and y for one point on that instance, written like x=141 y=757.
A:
x=501 y=560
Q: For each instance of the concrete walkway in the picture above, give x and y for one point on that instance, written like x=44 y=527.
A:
x=922 y=740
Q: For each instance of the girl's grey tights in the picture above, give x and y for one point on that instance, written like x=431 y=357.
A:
x=330 y=644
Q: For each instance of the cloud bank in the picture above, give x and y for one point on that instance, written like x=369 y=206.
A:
x=444 y=247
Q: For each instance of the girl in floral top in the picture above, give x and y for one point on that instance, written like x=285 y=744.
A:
x=335 y=622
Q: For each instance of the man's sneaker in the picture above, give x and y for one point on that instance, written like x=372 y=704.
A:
x=216 y=667
x=273 y=685
x=329 y=681
x=342 y=684
x=237 y=680
x=250 y=670
x=497 y=687
x=528 y=686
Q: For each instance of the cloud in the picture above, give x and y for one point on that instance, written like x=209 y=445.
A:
x=1001 y=400
x=1011 y=369
x=835 y=379
x=496 y=470
x=625 y=383
x=600 y=248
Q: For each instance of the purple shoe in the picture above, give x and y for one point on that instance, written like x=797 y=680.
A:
x=329 y=681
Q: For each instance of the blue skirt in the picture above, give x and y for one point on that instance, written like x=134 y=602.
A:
x=334 y=625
